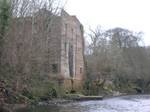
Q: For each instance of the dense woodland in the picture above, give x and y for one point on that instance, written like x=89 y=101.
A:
x=115 y=59
x=119 y=58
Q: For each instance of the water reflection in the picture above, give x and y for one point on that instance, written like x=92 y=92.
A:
x=118 y=104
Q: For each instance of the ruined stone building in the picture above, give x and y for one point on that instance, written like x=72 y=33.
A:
x=72 y=62
x=47 y=44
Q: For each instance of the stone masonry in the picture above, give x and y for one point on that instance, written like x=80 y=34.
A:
x=72 y=44
x=57 y=51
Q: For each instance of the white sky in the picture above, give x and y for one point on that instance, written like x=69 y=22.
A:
x=131 y=14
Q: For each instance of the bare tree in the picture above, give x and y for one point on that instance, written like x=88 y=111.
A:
x=28 y=37
x=119 y=55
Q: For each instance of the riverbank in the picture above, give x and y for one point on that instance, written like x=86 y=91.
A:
x=56 y=101
x=140 y=103
x=71 y=98
x=61 y=101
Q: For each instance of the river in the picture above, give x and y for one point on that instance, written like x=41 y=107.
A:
x=132 y=103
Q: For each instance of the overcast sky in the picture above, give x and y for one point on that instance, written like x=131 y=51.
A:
x=131 y=14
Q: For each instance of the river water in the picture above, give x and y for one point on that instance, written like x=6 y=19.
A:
x=132 y=103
